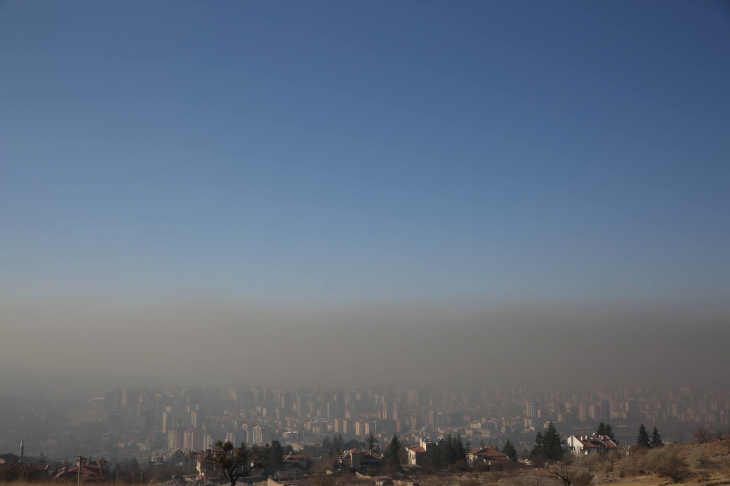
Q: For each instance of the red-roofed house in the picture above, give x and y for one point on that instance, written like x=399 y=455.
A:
x=294 y=462
x=422 y=454
x=358 y=459
x=485 y=455
x=585 y=445
x=90 y=471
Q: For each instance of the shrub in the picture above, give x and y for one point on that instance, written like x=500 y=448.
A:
x=582 y=478
x=700 y=459
x=703 y=435
x=593 y=462
x=633 y=465
x=666 y=463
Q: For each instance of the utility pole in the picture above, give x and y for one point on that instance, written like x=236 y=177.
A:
x=78 y=476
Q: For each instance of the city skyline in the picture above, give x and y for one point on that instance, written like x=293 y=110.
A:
x=158 y=421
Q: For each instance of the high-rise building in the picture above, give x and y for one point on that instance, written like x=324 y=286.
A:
x=165 y=422
x=360 y=428
x=149 y=421
x=192 y=440
x=396 y=411
x=112 y=402
x=593 y=412
x=287 y=402
x=531 y=408
x=176 y=438
x=246 y=400
x=412 y=398
x=261 y=435
x=194 y=415
x=234 y=437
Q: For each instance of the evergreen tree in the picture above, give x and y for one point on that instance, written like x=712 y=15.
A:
x=459 y=450
x=656 y=439
x=338 y=442
x=605 y=429
x=553 y=443
x=371 y=442
x=276 y=456
x=353 y=444
x=438 y=462
x=609 y=433
x=393 y=453
x=510 y=451
x=538 y=450
x=326 y=444
x=450 y=451
x=642 y=441
x=337 y=466
x=445 y=449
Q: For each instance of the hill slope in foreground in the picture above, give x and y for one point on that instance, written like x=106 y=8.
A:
x=697 y=464
x=693 y=465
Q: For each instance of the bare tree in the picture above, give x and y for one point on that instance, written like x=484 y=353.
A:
x=562 y=470
x=235 y=462
x=703 y=435
x=570 y=475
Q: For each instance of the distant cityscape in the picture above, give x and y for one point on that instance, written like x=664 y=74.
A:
x=154 y=425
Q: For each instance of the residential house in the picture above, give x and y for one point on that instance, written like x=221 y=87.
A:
x=85 y=470
x=423 y=453
x=485 y=456
x=358 y=459
x=587 y=445
x=294 y=462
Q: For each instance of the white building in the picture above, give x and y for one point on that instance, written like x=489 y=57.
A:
x=261 y=435
x=423 y=453
x=587 y=445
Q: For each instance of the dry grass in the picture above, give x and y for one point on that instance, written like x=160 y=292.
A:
x=705 y=464
x=708 y=465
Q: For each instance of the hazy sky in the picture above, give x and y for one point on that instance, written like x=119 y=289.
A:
x=296 y=175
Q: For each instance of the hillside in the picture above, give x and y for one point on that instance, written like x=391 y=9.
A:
x=697 y=464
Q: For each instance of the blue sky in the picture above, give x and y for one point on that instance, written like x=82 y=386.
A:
x=351 y=152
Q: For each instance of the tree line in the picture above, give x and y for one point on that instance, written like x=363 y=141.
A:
x=239 y=462
x=643 y=441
